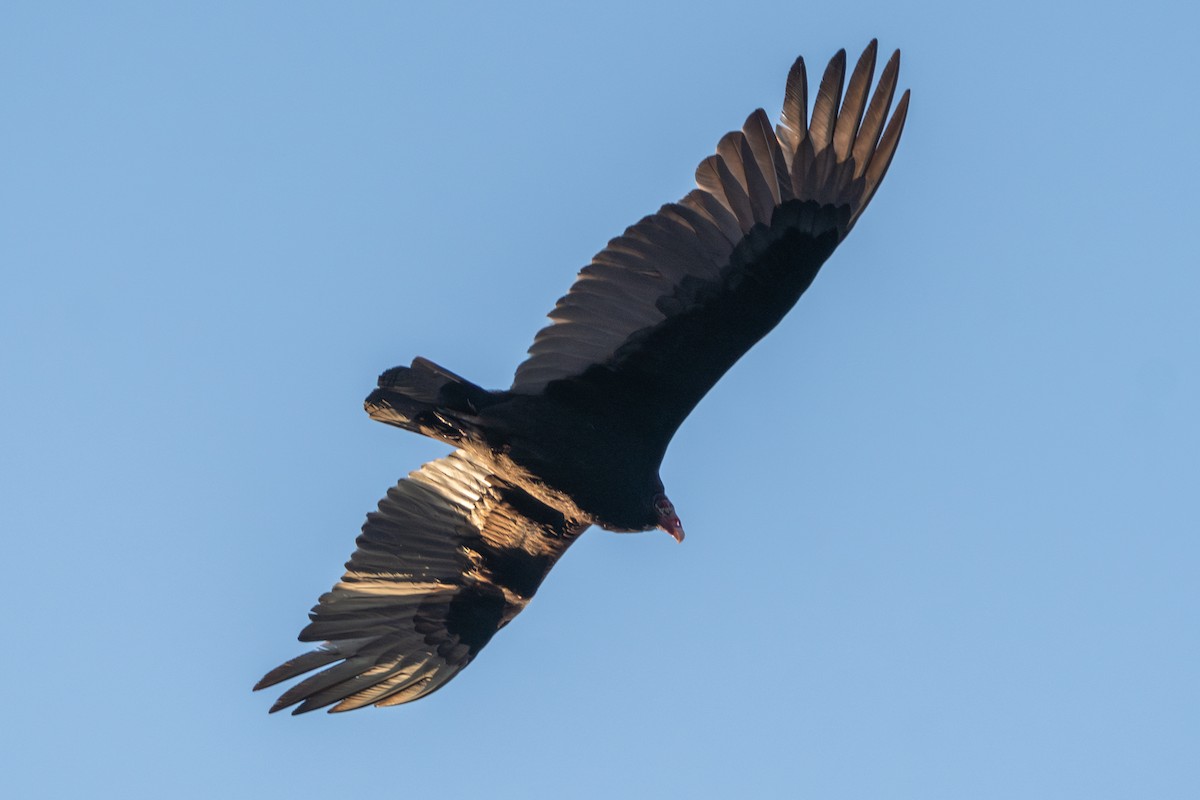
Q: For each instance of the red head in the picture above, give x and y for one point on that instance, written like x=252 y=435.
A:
x=668 y=520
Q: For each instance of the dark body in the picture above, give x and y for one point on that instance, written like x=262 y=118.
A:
x=600 y=437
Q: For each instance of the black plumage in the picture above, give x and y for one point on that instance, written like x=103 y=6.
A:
x=457 y=549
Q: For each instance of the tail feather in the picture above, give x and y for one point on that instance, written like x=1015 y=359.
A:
x=428 y=399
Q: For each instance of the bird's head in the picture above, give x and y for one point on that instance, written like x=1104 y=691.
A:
x=666 y=517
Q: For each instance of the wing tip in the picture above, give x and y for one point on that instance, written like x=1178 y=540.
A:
x=859 y=134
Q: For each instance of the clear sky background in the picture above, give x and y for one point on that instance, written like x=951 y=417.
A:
x=942 y=523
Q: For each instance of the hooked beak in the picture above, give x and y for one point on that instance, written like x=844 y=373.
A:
x=673 y=526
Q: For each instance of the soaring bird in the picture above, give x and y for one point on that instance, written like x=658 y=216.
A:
x=460 y=546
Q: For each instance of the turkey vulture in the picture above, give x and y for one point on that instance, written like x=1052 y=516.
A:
x=459 y=547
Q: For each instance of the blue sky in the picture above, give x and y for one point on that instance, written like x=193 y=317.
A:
x=941 y=523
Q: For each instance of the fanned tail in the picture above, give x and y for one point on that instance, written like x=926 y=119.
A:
x=428 y=399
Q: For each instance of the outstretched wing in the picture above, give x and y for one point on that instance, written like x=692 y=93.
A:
x=665 y=309
x=451 y=556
